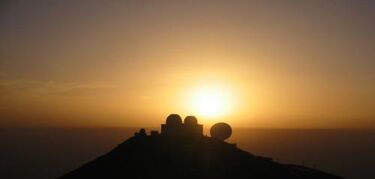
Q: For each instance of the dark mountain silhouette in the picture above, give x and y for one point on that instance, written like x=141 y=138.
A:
x=181 y=151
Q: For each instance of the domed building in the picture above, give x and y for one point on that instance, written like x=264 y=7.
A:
x=174 y=127
x=191 y=127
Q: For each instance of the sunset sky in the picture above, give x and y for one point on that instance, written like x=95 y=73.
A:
x=273 y=64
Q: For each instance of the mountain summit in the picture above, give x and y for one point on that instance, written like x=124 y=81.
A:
x=181 y=151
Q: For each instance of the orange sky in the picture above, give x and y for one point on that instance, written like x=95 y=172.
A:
x=283 y=64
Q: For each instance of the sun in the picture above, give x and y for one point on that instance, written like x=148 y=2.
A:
x=211 y=101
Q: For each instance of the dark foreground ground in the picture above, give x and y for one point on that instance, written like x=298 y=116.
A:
x=48 y=153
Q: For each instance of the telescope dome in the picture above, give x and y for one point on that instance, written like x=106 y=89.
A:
x=190 y=120
x=173 y=119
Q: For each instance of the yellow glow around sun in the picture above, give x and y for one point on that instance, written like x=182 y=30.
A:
x=211 y=102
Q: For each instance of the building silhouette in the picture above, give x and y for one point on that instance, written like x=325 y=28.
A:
x=174 y=127
x=191 y=127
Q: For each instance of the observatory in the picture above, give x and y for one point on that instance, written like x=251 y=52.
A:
x=174 y=127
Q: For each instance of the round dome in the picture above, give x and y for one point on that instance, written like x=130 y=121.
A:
x=190 y=120
x=221 y=131
x=173 y=119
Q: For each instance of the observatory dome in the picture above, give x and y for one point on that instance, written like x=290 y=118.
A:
x=173 y=119
x=190 y=120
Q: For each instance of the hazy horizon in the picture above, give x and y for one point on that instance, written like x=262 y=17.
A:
x=206 y=128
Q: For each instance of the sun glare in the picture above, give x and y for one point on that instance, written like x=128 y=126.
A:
x=210 y=102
